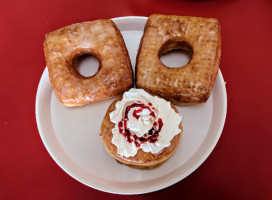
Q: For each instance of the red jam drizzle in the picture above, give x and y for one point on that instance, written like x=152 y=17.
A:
x=153 y=133
x=135 y=112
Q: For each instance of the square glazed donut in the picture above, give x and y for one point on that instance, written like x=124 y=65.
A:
x=192 y=83
x=100 y=38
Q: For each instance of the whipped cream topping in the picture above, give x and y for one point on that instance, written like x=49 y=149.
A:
x=140 y=120
x=143 y=121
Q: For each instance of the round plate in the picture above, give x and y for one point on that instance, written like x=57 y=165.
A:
x=71 y=135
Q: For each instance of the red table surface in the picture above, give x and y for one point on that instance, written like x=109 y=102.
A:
x=240 y=165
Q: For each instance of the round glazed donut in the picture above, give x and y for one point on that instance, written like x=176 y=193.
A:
x=192 y=83
x=100 y=38
x=142 y=160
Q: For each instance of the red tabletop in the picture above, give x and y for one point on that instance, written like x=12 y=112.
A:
x=240 y=165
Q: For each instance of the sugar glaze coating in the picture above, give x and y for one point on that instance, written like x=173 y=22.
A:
x=100 y=38
x=192 y=83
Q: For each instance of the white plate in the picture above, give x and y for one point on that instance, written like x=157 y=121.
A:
x=71 y=135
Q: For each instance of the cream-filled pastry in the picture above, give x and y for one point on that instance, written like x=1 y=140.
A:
x=141 y=130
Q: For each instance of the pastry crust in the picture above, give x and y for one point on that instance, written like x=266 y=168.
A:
x=192 y=83
x=142 y=160
x=100 y=38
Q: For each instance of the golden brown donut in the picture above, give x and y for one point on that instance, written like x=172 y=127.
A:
x=192 y=83
x=142 y=160
x=100 y=38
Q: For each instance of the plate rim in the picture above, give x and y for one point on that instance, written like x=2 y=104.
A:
x=152 y=188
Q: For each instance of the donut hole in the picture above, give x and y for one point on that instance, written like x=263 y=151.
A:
x=175 y=54
x=87 y=65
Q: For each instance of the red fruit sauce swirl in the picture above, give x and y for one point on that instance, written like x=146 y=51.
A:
x=153 y=133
